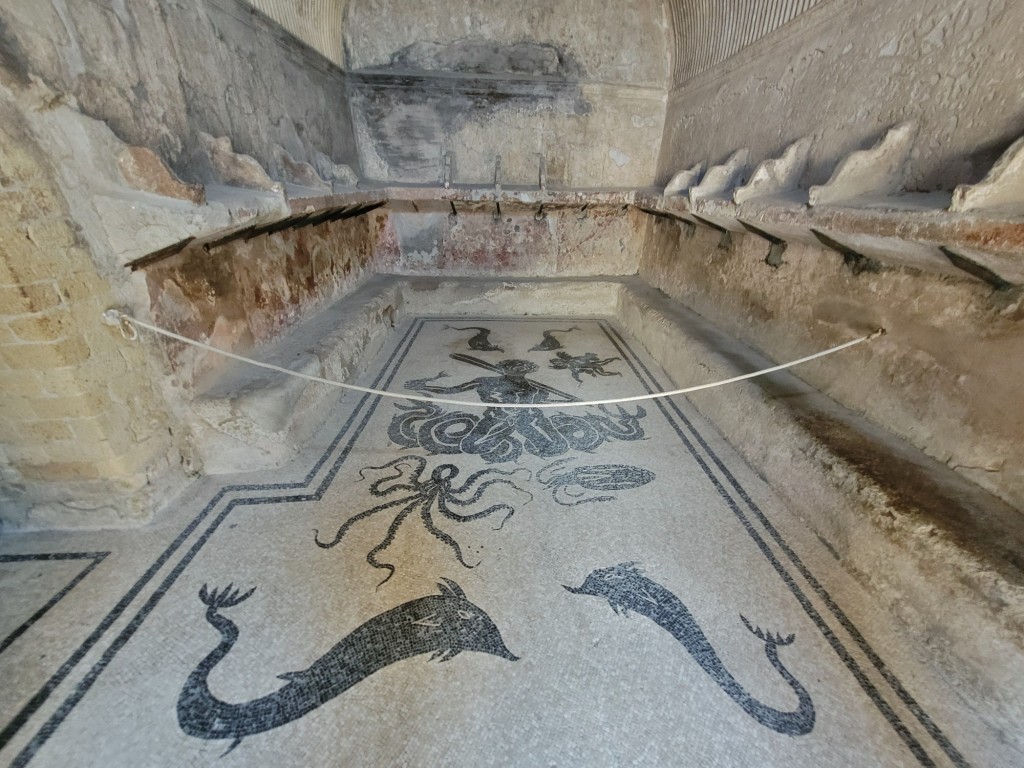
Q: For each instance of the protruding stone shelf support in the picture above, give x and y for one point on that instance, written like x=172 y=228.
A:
x=1002 y=189
x=711 y=201
x=682 y=181
x=861 y=214
x=777 y=175
x=878 y=172
x=721 y=179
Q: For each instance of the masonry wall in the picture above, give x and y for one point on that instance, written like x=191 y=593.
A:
x=85 y=437
x=562 y=242
x=946 y=376
x=845 y=71
x=248 y=292
x=90 y=427
x=579 y=87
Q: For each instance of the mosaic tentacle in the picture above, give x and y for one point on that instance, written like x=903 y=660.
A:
x=494 y=509
x=444 y=537
x=389 y=538
x=356 y=518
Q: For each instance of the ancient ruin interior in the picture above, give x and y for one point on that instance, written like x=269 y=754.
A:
x=514 y=225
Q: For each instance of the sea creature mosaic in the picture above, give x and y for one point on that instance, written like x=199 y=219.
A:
x=502 y=435
x=442 y=625
x=588 y=363
x=481 y=341
x=569 y=486
x=423 y=497
x=549 y=342
x=626 y=589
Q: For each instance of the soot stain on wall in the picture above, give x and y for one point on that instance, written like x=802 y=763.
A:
x=429 y=91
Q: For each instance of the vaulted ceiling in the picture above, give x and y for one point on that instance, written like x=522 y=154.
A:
x=655 y=42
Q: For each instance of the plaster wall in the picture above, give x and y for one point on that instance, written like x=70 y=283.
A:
x=843 y=72
x=583 y=92
x=946 y=376
x=564 y=242
x=89 y=424
x=246 y=293
x=707 y=32
x=622 y=47
x=317 y=23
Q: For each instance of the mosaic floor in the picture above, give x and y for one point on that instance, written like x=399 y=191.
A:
x=438 y=585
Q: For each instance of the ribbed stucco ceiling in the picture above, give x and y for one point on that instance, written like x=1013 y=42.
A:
x=704 y=32
x=707 y=32
x=317 y=23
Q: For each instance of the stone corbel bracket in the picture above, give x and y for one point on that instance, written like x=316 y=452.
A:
x=878 y=172
x=776 y=182
x=864 y=213
x=778 y=175
x=875 y=178
x=711 y=201
x=1002 y=189
x=680 y=183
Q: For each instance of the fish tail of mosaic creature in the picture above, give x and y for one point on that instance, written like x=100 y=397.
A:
x=794 y=723
x=196 y=716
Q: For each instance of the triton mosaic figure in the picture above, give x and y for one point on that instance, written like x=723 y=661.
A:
x=500 y=435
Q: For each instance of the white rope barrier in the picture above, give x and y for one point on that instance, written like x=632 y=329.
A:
x=129 y=329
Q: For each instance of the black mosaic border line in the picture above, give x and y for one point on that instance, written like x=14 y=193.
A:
x=95 y=557
x=33 y=705
x=82 y=688
x=890 y=678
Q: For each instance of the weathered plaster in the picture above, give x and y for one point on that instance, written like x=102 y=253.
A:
x=159 y=71
x=529 y=82
x=844 y=72
x=620 y=47
x=244 y=294
x=563 y=242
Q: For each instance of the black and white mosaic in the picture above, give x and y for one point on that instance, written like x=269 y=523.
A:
x=626 y=589
x=442 y=625
x=423 y=497
x=480 y=341
x=587 y=363
x=550 y=342
x=583 y=484
x=502 y=434
x=520 y=502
